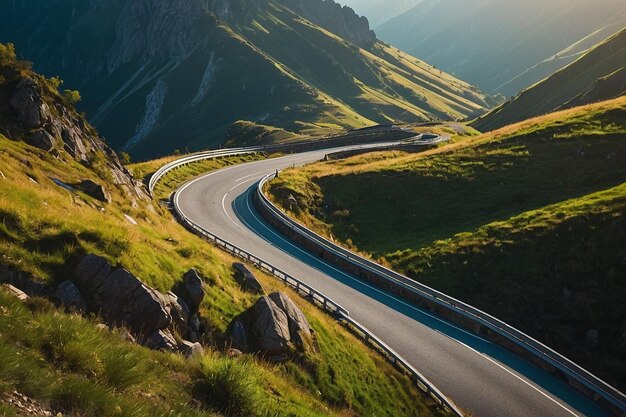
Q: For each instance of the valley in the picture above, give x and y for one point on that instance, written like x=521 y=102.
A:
x=268 y=208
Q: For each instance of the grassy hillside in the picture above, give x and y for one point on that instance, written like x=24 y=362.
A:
x=43 y=227
x=598 y=75
x=531 y=215
x=195 y=74
x=503 y=46
x=68 y=365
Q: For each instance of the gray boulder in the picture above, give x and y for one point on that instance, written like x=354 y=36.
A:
x=301 y=333
x=269 y=327
x=121 y=298
x=69 y=296
x=247 y=280
x=190 y=349
x=161 y=340
x=94 y=190
x=40 y=139
x=192 y=290
x=272 y=326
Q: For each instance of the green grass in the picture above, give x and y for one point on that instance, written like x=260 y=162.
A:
x=531 y=215
x=66 y=361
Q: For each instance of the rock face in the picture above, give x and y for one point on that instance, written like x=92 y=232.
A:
x=94 y=190
x=180 y=314
x=247 y=279
x=28 y=105
x=341 y=20
x=272 y=326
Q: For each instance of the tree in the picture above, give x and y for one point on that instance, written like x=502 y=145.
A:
x=71 y=97
x=124 y=158
x=55 y=82
x=7 y=52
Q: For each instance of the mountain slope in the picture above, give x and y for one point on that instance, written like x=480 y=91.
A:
x=598 y=75
x=526 y=223
x=503 y=46
x=65 y=362
x=159 y=76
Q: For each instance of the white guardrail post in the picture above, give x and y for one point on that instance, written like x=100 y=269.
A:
x=615 y=401
x=305 y=290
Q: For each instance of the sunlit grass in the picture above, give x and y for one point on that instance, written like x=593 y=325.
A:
x=530 y=215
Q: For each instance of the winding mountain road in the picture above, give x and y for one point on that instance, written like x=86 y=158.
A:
x=476 y=374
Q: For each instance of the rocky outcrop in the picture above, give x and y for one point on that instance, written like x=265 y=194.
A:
x=33 y=113
x=273 y=326
x=94 y=190
x=340 y=20
x=161 y=340
x=269 y=326
x=247 y=280
x=26 y=101
x=191 y=349
x=121 y=299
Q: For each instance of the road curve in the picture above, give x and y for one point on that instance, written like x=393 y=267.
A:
x=476 y=374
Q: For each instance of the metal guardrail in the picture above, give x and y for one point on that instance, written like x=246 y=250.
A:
x=303 y=289
x=161 y=172
x=600 y=388
x=331 y=141
x=328 y=305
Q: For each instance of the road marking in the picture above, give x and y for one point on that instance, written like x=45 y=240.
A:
x=251 y=175
x=520 y=378
x=244 y=182
x=343 y=273
x=226 y=212
x=176 y=200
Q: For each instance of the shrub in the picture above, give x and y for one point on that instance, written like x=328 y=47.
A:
x=7 y=52
x=71 y=97
x=231 y=387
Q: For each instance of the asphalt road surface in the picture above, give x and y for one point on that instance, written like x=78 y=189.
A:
x=476 y=374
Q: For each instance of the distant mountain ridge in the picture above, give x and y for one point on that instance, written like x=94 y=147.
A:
x=378 y=12
x=503 y=46
x=598 y=75
x=159 y=75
